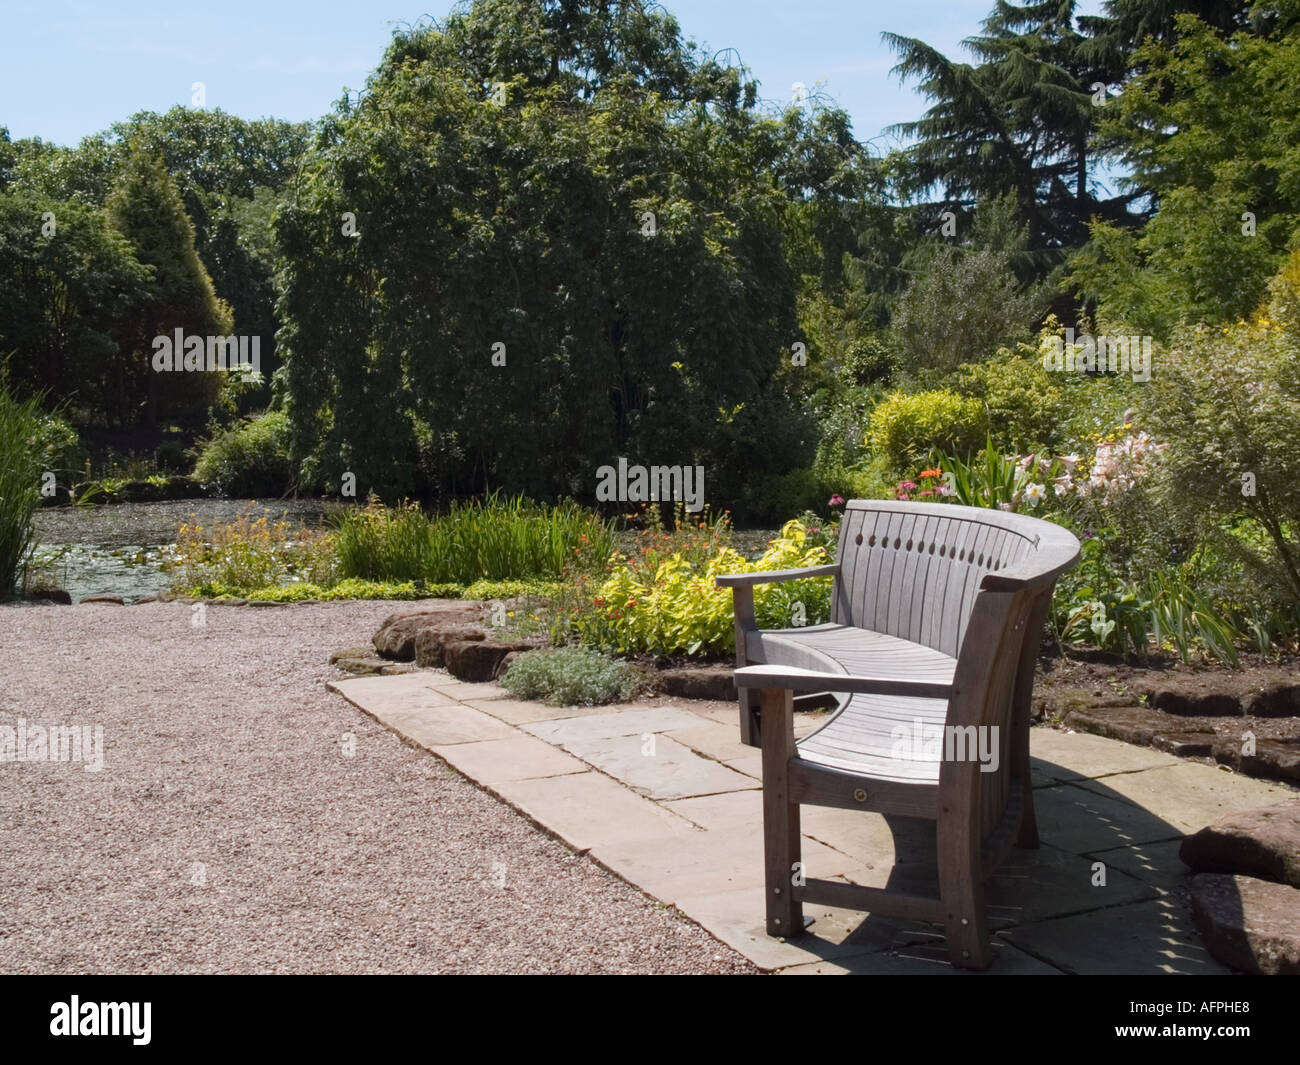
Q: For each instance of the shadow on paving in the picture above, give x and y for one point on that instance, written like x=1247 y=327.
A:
x=1102 y=894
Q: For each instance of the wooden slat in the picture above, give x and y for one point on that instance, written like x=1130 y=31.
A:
x=871 y=900
x=818 y=785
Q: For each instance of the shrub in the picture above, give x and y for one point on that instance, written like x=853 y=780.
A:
x=965 y=300
x=670 y=604
x=250 y=458
x=57 y=443
x=1227 y=401
x=249 y=554
x=21 y=464
x=570 y=676
x=905 y=429
x=1023 y=404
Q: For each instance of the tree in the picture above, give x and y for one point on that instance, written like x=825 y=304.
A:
x=1211 y=125
x=146 y=207
x=568 y=186
x=68 y=308
x=1018 y=122
x=966 y=300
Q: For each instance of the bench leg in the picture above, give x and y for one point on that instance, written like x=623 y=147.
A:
x=781 y=849
x=750 y=723
x=961 y=888
x=1020 y=777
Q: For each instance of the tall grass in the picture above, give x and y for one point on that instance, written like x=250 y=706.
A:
x=20 y=488
x=495 y=539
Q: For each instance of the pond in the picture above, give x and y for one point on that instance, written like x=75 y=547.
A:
x=118 y=548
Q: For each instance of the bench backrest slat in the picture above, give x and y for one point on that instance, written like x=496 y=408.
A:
x=913 y=570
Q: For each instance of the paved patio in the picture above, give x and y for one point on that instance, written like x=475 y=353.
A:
x=663 y=794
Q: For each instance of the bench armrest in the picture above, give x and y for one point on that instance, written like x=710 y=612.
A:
x=732 y=580
x=792 y=678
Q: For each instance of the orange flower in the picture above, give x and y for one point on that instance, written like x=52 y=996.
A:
x=932 y=473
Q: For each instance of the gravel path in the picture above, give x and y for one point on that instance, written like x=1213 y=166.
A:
x=229 y=832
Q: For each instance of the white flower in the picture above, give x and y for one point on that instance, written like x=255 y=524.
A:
x=1004 y=506
x=1062 y=489
x=1034 y=494
x=1069 y=461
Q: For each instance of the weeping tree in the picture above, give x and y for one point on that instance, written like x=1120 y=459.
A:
x=545 y=236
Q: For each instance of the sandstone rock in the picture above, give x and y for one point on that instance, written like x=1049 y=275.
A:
x=351 y=652
x=51 y=595
x=1184 y=744
x=505 y=664
x=1252 y=925
x=702 y=683
x=1273 y=759
x=475 y=661
x=1263 y=842
x=1132 y=724
x=146 y=599
x=396 y=636
x=111 y=600
x=430 y=640
x=1193 y=697
x=1276 y=700
x=364 y=665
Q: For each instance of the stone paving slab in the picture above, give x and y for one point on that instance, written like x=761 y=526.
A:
x=719 y=742
x=519 y=712
x=929 y=960
x=737 y=918
x=704 y=863
x=516 y=758
x=1082 y=821
x=590 y=809
x=437 y=726
x=612 y=723
x=1040 y=884
x=1152 y=863
x=1144 y=938
x=463 y=691
x=1189 y=795
x=1081 y=755
x=658 y=767
x=684 y=824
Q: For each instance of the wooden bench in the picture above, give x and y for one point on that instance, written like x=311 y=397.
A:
x=937 y=614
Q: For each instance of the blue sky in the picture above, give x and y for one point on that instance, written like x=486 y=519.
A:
x=71 y=68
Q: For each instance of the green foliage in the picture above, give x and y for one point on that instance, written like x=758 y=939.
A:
x=1209 y=122
x=249 y=459
x=58 y=445
x=496 y=538
x=904 y=428
x=1228 y=402
x=525 y=225
x=1024 y=404
x=1018 y=122
x=69 y=304
x=20 y=469
x=666 y=603
x=965 y=300
x=250 y=553
x=570 y=676
x=146 y=207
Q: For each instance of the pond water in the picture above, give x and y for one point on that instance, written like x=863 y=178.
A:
x=117 y=548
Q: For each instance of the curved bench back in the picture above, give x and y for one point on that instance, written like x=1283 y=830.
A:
x=913 y=570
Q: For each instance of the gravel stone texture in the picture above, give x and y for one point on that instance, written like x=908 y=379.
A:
x=230 y=831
